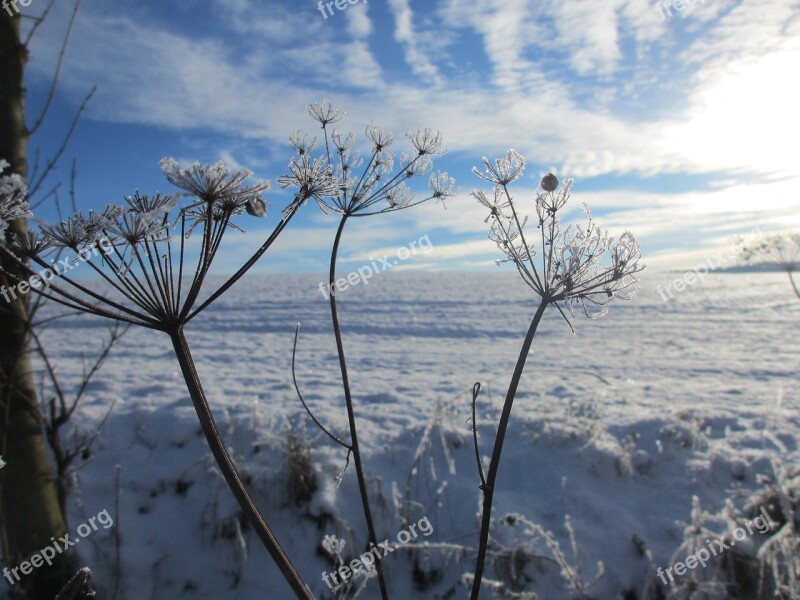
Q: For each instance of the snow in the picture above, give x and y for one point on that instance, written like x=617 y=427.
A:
x=615 y=430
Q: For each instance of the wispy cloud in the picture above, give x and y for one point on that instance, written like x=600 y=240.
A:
x=591 y=88
x=404 y=33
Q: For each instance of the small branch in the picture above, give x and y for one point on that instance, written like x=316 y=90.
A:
x=114 y=337
x=51 y=164
x=39 y=21
x=57 y=73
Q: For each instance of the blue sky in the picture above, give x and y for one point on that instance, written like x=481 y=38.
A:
x=680 y=127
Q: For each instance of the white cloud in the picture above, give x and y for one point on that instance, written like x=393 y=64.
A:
x=530 y=84
x=404 y=33
x=358 y=22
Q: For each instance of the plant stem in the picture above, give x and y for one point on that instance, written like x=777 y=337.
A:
x=362 y=483
x=794 y=285
x=491 y=476
x=227 y=466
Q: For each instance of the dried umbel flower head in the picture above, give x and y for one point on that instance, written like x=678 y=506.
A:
x=332 y=180
x=782 y=248
x=216 y=185
x=143 y=266
x=504 y=170
x=312 y=177
x=13 y=199
x=325 y=112
x=577 y=265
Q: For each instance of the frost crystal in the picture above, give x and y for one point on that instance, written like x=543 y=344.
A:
x=504 y=170
x=333 y=545
x=13 y=199
x=313 y=179
x=213 y=183
x=580 y=265
x=333 y=182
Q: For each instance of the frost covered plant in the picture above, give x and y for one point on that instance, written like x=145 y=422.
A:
x=565 y=267
x=579 y=265
x=341 y=181
x=782 y=249
x=780 y=554
x=697 y=582
x=13 y=199
x=350 y=588
x=146 y=277
x=526 y=550
x=141 y=246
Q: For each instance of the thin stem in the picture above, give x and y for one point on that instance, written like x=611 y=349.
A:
x=228 y=468
x=303 y=401
x=362 y=483
x=522 y=237
x=51 y=164
x=494 y=463
x=203 y=263
x=59 y=63
x=794 y=285
x=246 y=267
x=476 y=390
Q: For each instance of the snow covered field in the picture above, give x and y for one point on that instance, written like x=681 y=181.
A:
x=615 y=428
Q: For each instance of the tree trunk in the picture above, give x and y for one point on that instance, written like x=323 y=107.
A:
x=29 y=509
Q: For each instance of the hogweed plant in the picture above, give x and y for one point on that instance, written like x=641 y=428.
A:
x=579 y=266
x=781 y=249
x=364 y=187
x=145 y=276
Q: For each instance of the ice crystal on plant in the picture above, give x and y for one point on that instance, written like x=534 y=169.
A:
x=580 y=265
x=333 y=546
x=13 y=199
x=427 y=141
x=302 y=143
x=332 y=179
x=212 y=183
x=325 y=112
x=442 y=186
x=504 y=170
x=313 y=178
x=140 y=258
x=73 y=232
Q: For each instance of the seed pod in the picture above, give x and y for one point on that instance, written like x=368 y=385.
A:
x=549 y=182
x=256 y=207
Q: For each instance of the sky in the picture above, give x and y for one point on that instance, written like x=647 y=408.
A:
x=678 y=125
